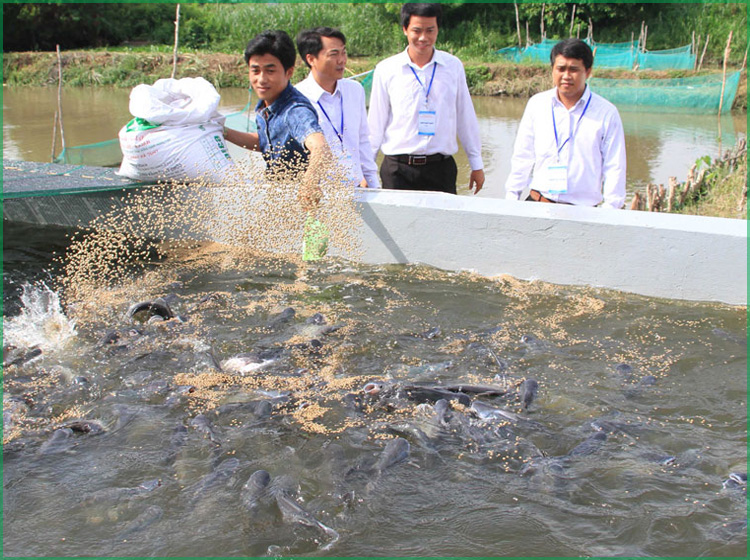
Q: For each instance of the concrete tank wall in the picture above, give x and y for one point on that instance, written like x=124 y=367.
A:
x=652 y=254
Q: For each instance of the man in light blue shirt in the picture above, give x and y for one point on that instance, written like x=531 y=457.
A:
x=340 y=103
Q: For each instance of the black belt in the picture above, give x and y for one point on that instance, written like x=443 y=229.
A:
x=418 y=160
x=536 y=196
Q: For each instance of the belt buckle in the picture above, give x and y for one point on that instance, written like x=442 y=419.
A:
x=417 y=160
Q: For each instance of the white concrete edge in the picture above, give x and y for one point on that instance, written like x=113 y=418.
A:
x=657 y=255
x=607 y=216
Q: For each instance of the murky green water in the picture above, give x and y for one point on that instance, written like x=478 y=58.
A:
x=663 y=378
x=659 y=145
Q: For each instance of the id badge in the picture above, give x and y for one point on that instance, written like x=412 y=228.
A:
x=427 y=122
x=557 y=179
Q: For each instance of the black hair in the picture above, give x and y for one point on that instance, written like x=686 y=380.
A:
x=277 y=43
x=423 y=10
x=309 y=41
x=573 y=48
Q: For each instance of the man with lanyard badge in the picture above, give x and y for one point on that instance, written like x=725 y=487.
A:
x=419 y=105
x=340 y=103
x=571 y=138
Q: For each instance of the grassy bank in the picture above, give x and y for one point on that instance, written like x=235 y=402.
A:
x=724 y=194
x=127 y=68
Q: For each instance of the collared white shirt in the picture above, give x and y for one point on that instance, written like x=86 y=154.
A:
x=594 y=155
x=354 y=152
x=397 y=97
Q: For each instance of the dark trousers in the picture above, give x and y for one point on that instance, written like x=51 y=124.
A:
x=431 y=176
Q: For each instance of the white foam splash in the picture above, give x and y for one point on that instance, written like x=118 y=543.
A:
x=41 y=323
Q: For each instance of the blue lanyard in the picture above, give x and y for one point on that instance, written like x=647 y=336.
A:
x=339 y=134
x=432 y=79
x=575 y=129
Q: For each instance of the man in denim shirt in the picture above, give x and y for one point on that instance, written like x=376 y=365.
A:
x=289 y=135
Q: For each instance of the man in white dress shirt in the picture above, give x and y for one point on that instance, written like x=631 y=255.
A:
x=340 y=103
x=419 y=104
x=571 y=138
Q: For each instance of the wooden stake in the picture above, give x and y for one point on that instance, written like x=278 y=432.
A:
x=578 y=30
x=672 y=193
x=636 y=203
x=727 y=50
x=645 y=37
x=591 y=31
x=59 y=97
x=704 y=52
x=54 y=138
x=572 y=20
x=692 y=43
x=744 y=62
x=697 y=46
x=527 y=34
x=542 y=22
x=640 y=37
x=176 y=40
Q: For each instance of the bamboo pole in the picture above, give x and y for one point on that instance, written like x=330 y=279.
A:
x=640 y=36
x=542 y=22
x=572 y=21
x=704 y=52
x=744 y=61
x=645 y=37
x=692 y=43
x=59 y=97
x=518 y=24
x=697 y=46
x=527 y=34
x=176 y=40
x=54 y=138
x=591 y=31
x=578 y=30
x=727 y=50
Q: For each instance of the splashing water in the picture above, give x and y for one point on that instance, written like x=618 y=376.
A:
x=41 y=324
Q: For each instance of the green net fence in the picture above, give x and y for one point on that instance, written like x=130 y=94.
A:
x=609 y=55
x=697 y=93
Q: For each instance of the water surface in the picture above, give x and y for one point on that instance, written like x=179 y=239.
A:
x=659 y=145
x=664 y=378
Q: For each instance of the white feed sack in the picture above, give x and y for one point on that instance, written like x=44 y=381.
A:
x=176 y=135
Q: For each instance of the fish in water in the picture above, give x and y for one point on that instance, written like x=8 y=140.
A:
x=736 y=481
x=487 y=412
x=478 y=390
x=150 y=515
x=114 y=495
x=292 y=512
x=219 y=475
x=589 y=446
x=59 y=441
x=85 y=427
x=254 y=488
x=434 y=332
x=158 y=307
x=203 y=424
x=394 y=452
x=246 y=363
x=14 y=359
x=433 y=393
x=527 y=392
x=282 y=318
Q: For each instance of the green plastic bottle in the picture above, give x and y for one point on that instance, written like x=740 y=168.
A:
x=315 y=240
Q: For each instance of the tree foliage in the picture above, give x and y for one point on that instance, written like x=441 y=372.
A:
x=471 y=28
